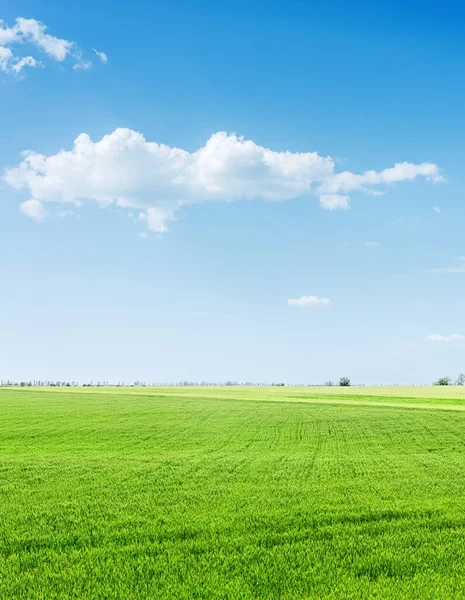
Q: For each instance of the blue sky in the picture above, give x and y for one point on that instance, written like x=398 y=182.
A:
x=93 y=290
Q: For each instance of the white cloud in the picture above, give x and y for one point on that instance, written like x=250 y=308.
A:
x=308 y=301
x=6 y=56
x=454 y=337
x=157 y=218
x=347 y=182
x=33 y=31
x=334 y=201
x=103 y=57
x=63 y=214
x=448 y=270
x=26 y=61
x=30 y=31
x=372 y=244
x=437 y=209
x=124 y=169
x=460 y=268
x=34 y=209
x=9 y=63
x=81 y=63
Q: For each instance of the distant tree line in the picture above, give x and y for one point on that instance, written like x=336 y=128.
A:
x=448 y=381
x=9 y=383
x=185 y=383
x=343 y=382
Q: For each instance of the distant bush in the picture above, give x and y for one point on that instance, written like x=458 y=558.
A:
x=443 y=381
x=329 y=384
x=460 y=379
x=278 y=384
x=344 y=381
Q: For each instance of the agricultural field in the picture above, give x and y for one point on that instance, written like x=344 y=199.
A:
x=227 y=493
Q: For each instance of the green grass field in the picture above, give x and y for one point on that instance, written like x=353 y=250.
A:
x=225 y=493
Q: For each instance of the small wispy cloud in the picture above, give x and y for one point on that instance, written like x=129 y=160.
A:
x=398 y=221
x=453 y=337
x=34 y=209
x=308 y=301
x=81 y=63
x=103 y=57
x=64 y=214
x=334 y=202
x=437 y=209
x=371 y=244
x=458 y=268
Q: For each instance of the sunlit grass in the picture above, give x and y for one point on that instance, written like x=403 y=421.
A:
x=232 y=493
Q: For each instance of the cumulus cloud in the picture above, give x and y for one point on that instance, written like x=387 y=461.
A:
x=308 y=301
x=453 y=337
x=34 y=209
x=30 y=31
x=123 y=168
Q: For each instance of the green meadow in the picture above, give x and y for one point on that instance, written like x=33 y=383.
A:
x=231 y=493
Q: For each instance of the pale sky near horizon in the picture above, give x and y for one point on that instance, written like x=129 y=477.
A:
x=248 y=191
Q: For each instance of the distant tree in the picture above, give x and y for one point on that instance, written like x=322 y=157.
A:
x=329 y=384
x=443 y=381
x=460 y=379
x=344 y=382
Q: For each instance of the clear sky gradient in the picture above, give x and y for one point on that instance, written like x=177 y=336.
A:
x=93 y=291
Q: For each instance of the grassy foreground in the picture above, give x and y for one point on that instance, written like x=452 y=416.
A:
x=232 y=493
